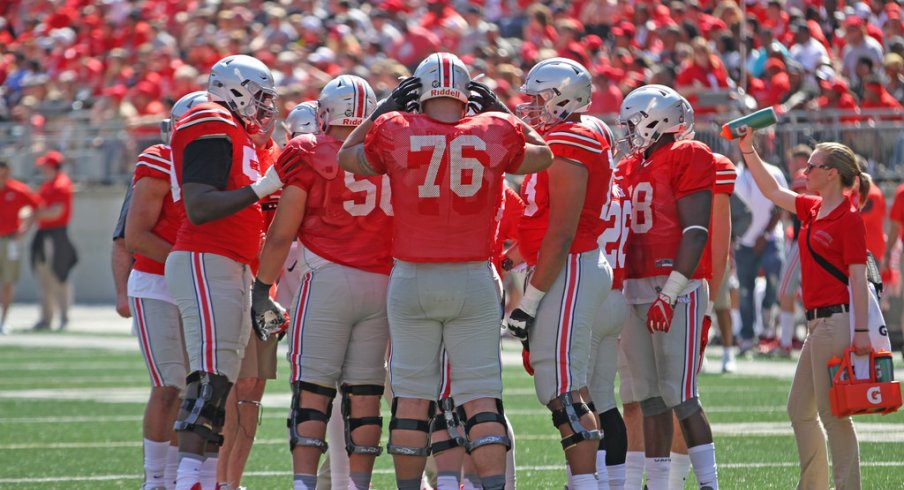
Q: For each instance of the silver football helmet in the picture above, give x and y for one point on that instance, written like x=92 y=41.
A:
x=302 y=119
x=247 y=88
x=346 y=101
x=562 y=88
x=443 y=75
x=179 y=109
x=651 y=111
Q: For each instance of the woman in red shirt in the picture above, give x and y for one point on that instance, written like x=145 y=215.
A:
x=831 y=227
x=703 y=72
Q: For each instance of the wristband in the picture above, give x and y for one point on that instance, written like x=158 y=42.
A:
x=531 y=299
x=268 y=184
x=674 y=285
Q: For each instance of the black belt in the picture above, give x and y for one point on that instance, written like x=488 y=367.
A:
x=827 y=311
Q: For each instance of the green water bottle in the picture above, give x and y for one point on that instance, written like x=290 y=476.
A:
x=757 y=120
x=834 y=366
x=882 y=363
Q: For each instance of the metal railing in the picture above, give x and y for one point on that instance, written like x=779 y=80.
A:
x=104 y=152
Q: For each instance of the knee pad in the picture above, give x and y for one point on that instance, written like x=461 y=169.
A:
x=615 y=437
x=483 y=418
x=203 y=411
x=297 y=415
x=653 y=406
x=410 y=424
x=687 y=408
x=570 y=413
x=449 y=421
x=353 y=423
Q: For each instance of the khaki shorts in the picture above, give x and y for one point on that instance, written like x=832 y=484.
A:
x=790 y=283
x=560 y=339
x=339 y=328
x=451 y=305
x=665 y=364
x=604 y=350
x=10 y=259
x=214 y=297
x=159 y=330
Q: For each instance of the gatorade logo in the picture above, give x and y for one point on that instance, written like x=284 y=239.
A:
x=874 y=395
x=883 y=331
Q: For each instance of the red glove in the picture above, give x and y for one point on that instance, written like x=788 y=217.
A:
x=704 y=333
x=525 y=361
x=659 y=317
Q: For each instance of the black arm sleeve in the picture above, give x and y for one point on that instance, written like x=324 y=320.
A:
x=207 y=161
x=120 y=230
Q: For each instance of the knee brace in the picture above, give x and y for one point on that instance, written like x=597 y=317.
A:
x=571 y=413
x=353 y=423
x=483 y=418
x=687 y=408
x=447 y=420
x=203 y=412
x=297 y=415
x=652 y=407
x=615 y=437
x=410 y=424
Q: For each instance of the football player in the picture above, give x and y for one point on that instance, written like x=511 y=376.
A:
x=152 y=220
x=218 y=177
x=340 y=331
x=559 y=230
x=445 y=170
x=670 y=179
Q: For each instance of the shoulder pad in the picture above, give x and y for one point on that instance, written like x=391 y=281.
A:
x=319 y=153
x=577 y=135
x=207 y=114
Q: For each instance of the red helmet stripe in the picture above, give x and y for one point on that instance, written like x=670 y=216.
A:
x=447 y=71
x=360 y=99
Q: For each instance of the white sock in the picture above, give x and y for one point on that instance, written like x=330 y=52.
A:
x=189 y=472
x=584 y=481
x=209 y=473
x=786 y=320
x=172 y=466
x=616 y=476
x=602 y=476
x=680 y=467
x=471 y=482
x=447 y=482
x=155 y=461
x=304 y=482
x=657 y=473
x=634 y=463
x=735 y=323
x=703 y=457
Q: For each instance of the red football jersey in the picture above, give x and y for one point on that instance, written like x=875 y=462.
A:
x=582 y=143
x=266 y=156
x=347 y=218
x=512 y=209
x=673 y=171
x=239 y=235
x=617 y=227
x=726 y=175
x=155 y=162
x=446 y=181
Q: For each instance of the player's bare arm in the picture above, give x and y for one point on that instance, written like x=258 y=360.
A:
x=782 y=197
x=721 y=239
x=205 y=203
x=693 y=212
x=351 y=156
x=567 y=188
x=206 y=167
x=121 y=263
x=147 y=199
x=283 y=229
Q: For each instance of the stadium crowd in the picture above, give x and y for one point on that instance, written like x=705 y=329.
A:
x=130 y=60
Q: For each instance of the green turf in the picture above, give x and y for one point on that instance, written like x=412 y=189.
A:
x=64 y=439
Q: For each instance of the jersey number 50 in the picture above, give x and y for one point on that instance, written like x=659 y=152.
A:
x=458 y=164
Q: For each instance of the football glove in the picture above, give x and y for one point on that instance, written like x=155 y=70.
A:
x=267 y=317
x=704 y=330
x=289 y=162
x=400 y=99
x=525 y=359
x=483 y=99
x=659 y=317
x=519 y=322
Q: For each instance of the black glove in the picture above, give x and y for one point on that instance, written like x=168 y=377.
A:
x=403 y=95
x=267 y=316
x=518 y=324
x=483 y=99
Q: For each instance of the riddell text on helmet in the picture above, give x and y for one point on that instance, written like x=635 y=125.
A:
x=444 y=92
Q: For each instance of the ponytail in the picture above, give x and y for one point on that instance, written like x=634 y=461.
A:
x=865 y=182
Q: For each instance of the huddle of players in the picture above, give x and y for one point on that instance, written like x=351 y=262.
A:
x=618 y=260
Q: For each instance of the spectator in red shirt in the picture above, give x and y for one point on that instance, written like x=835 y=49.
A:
x=703 y=72
x=16 y=218
x=837 y=97
x=52 y=254
x=895 y=227
x=606 y=97
x=876 y=97
x=779 y=84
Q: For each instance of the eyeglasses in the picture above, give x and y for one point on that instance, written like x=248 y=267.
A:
x=810 y=167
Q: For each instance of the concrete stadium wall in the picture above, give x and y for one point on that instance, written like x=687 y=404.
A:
x=94 y=214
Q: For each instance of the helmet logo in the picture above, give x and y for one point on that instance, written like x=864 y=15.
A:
x=435 y=84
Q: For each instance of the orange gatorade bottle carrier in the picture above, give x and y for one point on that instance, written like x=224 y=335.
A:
x=851 y=396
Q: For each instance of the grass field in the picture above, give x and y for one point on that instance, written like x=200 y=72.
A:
x=71 y=418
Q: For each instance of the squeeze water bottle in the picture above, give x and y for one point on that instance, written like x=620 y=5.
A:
x=757 y=120
x=834 y=366
x=882 y=363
